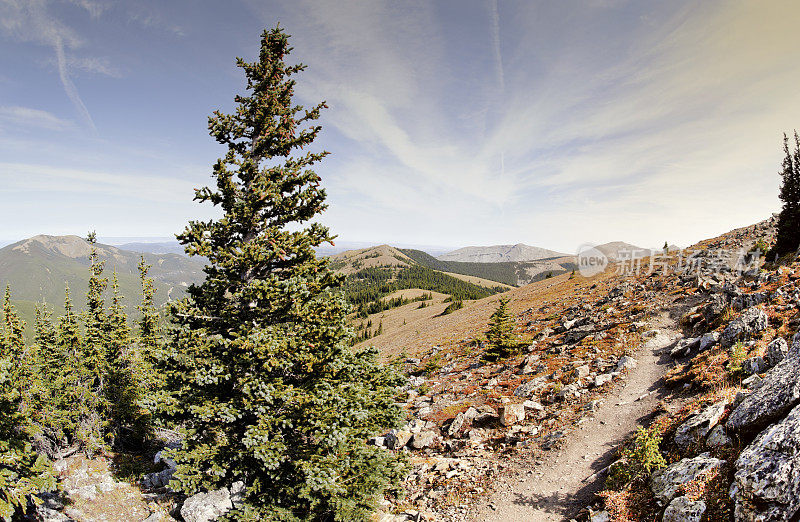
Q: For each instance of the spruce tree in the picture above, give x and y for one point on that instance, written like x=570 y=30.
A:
x=127 y=378
x=23 y=472
x=500 y=335
x=148 y=345
x=788 y=238
x=262 y=379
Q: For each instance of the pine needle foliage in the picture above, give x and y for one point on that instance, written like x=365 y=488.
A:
x=23 y=472
x=788 y=237
x=500 y=335
x=260 y=374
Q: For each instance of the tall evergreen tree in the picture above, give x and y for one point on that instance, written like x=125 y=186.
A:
x=788 y=238
x=149 y=344
x=126 y=377
x=263 y=380
x=95 y=340
x=500 y=335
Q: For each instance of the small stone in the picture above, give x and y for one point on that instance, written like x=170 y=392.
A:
x=511 y=414
x=626 y=363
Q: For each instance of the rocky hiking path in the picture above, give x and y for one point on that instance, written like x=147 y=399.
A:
x=565 y=480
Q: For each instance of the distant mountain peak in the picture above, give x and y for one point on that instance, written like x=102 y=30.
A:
x=499 y=254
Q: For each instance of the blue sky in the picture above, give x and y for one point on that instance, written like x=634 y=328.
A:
x=451 y=123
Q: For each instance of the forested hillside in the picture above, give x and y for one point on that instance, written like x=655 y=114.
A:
x=515 y=273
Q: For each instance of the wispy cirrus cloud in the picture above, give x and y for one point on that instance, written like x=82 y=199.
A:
x=27 y=117
x=29 y=21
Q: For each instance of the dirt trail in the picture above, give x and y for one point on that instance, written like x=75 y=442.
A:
x=565 y=481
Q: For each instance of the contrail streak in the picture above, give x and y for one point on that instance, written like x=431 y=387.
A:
x=496 y=43
x=69 y=87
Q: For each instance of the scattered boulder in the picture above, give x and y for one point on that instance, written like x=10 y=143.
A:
x=774 y=398
x=752 y=382
x=461 y=421
x=581 y=372
x=681 y=509
x=743 y=301
x=754 y=365
x=766 y=485
x=397 y=439
x=665 y=482
x=751 y=322
x=511 y=414
x=708 y=340
x=697 y=426
x=529 y=388
x=533 y=405
x=776 y=351
x=205 y=507
x=602 y=379
x=423 y=439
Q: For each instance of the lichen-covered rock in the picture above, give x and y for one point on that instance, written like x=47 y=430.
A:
x=681 y=509
x=697 y=426
x=778 y=393
x=766 y=486
x=665 y=482
x=529 y=388
x=718 y=438
x=776 y=351
x=205 y=507
x=751 y=322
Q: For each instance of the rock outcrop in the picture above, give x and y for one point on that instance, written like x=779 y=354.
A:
x=699 y=425
x=665 y=482
x=777 y=394
x=766 y=485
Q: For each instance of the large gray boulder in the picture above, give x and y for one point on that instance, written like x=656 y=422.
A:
x=697 y=426
x=665 y=482
x=205 y=507
x=681 y=509
x=776 y=351
x=766 y=486
x=751 y=322
x=778 y=393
